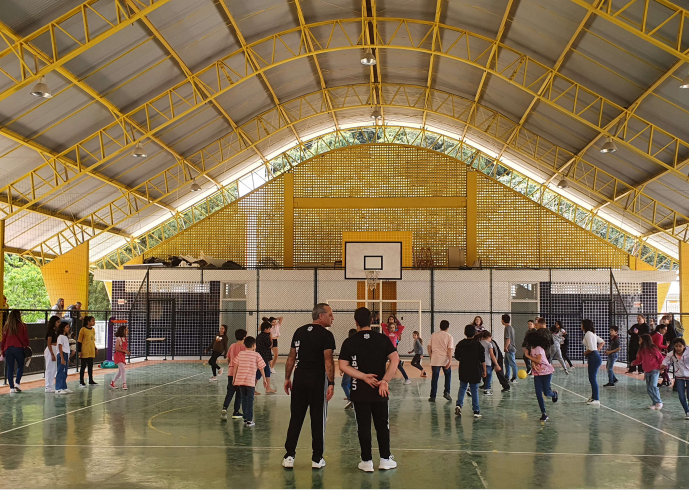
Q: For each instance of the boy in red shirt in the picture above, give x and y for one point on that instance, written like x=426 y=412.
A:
x=232 y=352
x=245 y=365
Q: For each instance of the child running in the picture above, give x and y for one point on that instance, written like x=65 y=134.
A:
x=121 y=350
x=218 y=348
x=264 y=345
x=244 y=370
x=472 y=367
x=658 y=338
x=555 y=350
x=63 y=352
x=496 y=361
x=612 y=354
x=418 y=354
x=542 y=369
x=650 y=358
x=393 y=329
x=679 y=358
x=232 y=352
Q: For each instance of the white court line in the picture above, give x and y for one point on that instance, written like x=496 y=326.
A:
x=96 y=404
x=625 y=415
x=398 y=449
x=485 y=484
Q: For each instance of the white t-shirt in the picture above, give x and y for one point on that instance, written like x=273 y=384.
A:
x=440 y=342
x=591 y=341
x=62 y=340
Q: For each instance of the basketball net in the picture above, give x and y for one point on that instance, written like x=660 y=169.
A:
x=371 y=280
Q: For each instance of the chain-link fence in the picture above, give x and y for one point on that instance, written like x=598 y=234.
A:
x=176 y=312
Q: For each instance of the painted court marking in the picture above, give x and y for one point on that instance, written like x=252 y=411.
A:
x=625 y=415
x=96 y=404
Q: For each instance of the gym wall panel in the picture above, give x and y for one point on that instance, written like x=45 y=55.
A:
x=67 y=276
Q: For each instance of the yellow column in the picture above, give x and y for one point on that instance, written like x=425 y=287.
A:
x=472 y=196
x=684 y=280
x=288 y=234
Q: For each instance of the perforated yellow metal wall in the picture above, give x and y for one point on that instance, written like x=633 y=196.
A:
x=517 y=232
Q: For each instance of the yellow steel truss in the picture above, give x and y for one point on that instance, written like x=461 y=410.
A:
x=410 y=137
x=595 y=181
x=579 y=103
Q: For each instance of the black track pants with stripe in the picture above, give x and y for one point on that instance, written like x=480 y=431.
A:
x=308 y=393
x=379 y=412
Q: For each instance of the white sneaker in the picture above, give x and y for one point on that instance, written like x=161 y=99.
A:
x=319 y=465
x=67 y=391
x=659 y=406
x=273 y=371
x=18 y=386
x=366 y=466
x=488 y=392
x=49 y=390
x=407 y=381
x=686 y=416
x=288 y=462
x=593 y=402
x=220 y=372
x=214 y=378
x=348 y=405
x=13 y=391
x=387 y=464
x=223 y=414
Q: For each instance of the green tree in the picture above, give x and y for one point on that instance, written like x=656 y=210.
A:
x=98 y=298
x=24 y=285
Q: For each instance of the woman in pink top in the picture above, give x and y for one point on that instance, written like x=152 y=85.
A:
x=650 y=358
x=542 y=370
x=393 y=329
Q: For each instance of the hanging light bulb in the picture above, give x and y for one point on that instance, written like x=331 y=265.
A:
x=194 y=186
x=139 y=151
x=376 y=114
x=685 y=82
x=563 y=184
x=41 y=90
x=368 y=59
x=608 y=146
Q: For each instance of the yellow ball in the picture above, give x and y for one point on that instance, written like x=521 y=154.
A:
x=521 y=374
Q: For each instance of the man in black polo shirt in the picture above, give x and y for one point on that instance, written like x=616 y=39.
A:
x=312 y=355
x=363 y=356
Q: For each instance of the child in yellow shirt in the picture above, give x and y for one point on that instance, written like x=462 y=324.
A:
x=86 y=347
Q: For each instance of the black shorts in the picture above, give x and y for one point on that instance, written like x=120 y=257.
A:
x=275 y=342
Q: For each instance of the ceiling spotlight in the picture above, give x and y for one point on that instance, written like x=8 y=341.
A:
x=368 y=59
x=41 y=89
x=139 y=151
x=194 y=186
x=608 y=146
x=685 y=82
x=563 y=184
x=376 y=114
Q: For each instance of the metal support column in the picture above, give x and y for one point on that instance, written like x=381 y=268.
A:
x=258 y=299
x=148 y=310
x=432 y=301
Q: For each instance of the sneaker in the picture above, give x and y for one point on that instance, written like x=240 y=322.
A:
x=112 y=385
x=424 y=375
x=17 y=388
x=67 y=391
x=349 y=405
x=387 y=464
x=13 y=391
x=366 y=466
x=319 y=465
x=124 y=386
x=686 y=416
x=469 y=393
x=506 y=388
x=93 y=383
x=49 y=390
x=432 y=399
x=607 y=385
x=220 y=372
x=82 y=385
x=250 y=423
x=544 y=417
x=566 y=372
x=593 y=402
x=273 y=371
x=659 y=406
x=488 y=392
x=238 y=415
x=458 y=410
x=288 y=462
x=223 y=414
x=407 y=381
x=477 y=415
x=447 y=397
x=555 y=397
x=214 y=378
x=513 y=381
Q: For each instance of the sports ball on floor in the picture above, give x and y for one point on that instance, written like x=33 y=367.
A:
x=522 y=374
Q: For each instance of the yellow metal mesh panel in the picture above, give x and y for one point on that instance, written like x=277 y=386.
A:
x=248 y=231
x=380 y=170
x=67 y=277
x=318 y=232
x=515 y=231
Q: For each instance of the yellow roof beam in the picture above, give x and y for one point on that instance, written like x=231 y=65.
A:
x=429 y=81
x=82 y=13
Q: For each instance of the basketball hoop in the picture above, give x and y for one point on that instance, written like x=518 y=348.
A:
x=372 y=279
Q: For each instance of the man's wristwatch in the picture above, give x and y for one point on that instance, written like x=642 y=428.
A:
x=331 y=383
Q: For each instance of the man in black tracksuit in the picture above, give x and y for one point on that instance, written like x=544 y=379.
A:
x=364 y=356
x=312 y=355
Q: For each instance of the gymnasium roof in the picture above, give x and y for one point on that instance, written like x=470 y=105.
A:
x=214 y=88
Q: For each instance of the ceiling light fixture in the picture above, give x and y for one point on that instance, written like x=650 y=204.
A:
x=139 y=151
x=368 y=59
x=41 y=89
x=563 y=184
x=376 y=114
x=608 y=146
x=194 y=186
x=685 y=82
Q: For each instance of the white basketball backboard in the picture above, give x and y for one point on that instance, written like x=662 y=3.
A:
x=384 y=257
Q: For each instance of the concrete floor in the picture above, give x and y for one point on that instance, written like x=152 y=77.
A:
x=165 y=432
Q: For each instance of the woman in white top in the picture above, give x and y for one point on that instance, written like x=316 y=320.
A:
x=276 y=323
x=592 y=344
